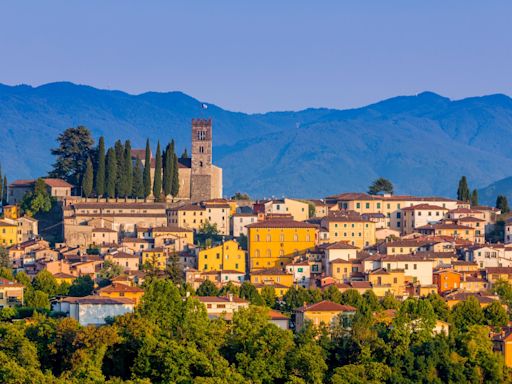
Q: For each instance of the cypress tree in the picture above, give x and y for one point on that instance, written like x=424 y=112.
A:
x=87 y=182
x=120 y=172
x=138 y=183
x=175 y=187
x=463 y=193
x=184 y=155
x=147 y=171
x=157 y=183
x=502 y=204
x=128 y=168
x=100 y=168
x=4 y=193
x=474 y=197
x=111 y=173
x=168 y=167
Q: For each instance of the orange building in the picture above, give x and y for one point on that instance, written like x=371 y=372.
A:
x=446 y=280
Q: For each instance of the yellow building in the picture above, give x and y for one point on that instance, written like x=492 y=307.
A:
x=122 y=290
x=352 y=229
x=164 y=236
x=227 y=256
x=155 y=258
x=272 y=276
x=191 y=216
x=449 y=229
x=8 y=234
x=323 y=312
x=62 y=277
x=11 y=212
x=383 y=281
x=274 y=243
x=11 y=293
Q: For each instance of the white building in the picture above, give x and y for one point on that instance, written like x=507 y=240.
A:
x=334 y=251
x=508 y=231
x=416 y=267
x=301 y=273
x=490 y=255
x=93 y=310
x=239 y=222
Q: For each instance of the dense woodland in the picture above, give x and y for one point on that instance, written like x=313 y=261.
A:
x=112 y=172
x=169 y=339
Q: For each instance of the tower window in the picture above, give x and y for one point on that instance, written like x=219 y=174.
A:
x=201 y=149
x=201 y=135
x=201 y=164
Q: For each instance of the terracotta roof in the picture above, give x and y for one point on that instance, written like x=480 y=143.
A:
x=139 y=153
x=62 y=275
x=498 y=270
x=406 y=257
x=272 y=285
x=120 y=288
x=484 y=208
x=365 y=196
x=170 y=228
x=136 y=240
x=271 y=271
x=118 y=205
x=340 y=261
x=6 y=224
x=281 y=224
x=444 y=226
x=339 y=245
x=107 y=230
x=275 y=315
x=326 y=305
x=57 y=183
x=188 y=207
x=9 y=283
x=360 y=284
x=470 y=219
x=123 y=255
x=93 y=299
x=222 y=299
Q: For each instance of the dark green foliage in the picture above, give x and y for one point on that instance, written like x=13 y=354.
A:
x=38 y=200
x=45 y=282
x=82 y=286
x=157 y=183
x=463 y=193
x=502 y=204
x=110 y=190
x=467 y=313
x=168 y=164
x=380 y=185
x=175 y=186
x=87 y=182
x=120 y=169
x=5 y=261
x=240 y=196
x=249 y=292
x=147 y=171
x=138 y=182
x=100 y=168
x=474 y=198
x=207 y=288
x=495 y=314
x=184 y=154
x=127 y=170
x=74 y=149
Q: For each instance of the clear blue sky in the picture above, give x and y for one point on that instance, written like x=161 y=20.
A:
x=266 y=55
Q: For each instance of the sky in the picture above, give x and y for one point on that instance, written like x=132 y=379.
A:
x=262 y=55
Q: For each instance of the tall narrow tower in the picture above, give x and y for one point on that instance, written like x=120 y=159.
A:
x=201 y=172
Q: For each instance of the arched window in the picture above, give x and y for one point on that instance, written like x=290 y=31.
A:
x=282 y=237
x=308 y=237
x=269 y=238
x=257 y=237
x=281 y=253
x=269 y=253
x=295 y=237
x=257 y=253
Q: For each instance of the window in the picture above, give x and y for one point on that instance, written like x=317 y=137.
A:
x=295 y=237
x=358 y=205
x=406 y=266
x=300 y=269
x=281 y=237
x=415 y=266
x=367 y=205
x=201 y=135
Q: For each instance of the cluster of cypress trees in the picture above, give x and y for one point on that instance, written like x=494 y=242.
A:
x=113 y=174
x=464 y=193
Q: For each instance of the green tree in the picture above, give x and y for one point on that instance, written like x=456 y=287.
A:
x=240 y=196
x=100 y=168
x=369 y=373
x=463 y=193
x=82 y=286
x=207 y=288
x=229 y=288
x=111 y=173
x=4 y=193
x=249 y=292
x=120 y=169
x=138 y=182
x=168 y=164
x=87 y=183
x=45 y=282
x=22 y=278
x=109 y=271
x=175 y=186
x=37 y=200
x=147 y=171
x=174 y=269
x=184 y=154
x=474 y=198
x=128 y=169
x=6 y=273
x=74 y=149
x=389 y=301
x=332 y=293
x=5 y=261
x=495 y=314
x=502 y=204
x=268 y=294
x=467 y=313
x=380 y=185
x=37 y=299
x=157 y=183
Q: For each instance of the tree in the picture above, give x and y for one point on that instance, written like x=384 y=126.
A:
x=45 y=282
x=184 y=154
x=474 y=198
x=268 y=294
x=111 y=173
x=82 y=286
x=109 y=270
x=146 y=178
x=37 y=299
x=207 y=288
x=249 y=292
x=380 y=185
x=5 y=261
x=495 y=314
x=74 y=148
x=128 y=169
x=157 y=183
x=168 y=164
x=467 y=313
x=175 y=185
x=502 y=204
x=240 y=196
x=87 y=183
x=173 y=269
x=138 y=183
x=463 y=193
x=37 y=200
x=120 y=169
x=100 y=168
x=4 y=192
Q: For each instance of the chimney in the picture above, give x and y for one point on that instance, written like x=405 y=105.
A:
x=230 y=297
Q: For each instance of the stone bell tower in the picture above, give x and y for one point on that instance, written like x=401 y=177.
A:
x=201 y=167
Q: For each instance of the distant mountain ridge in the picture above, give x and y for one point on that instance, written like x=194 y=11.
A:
x=423 y=143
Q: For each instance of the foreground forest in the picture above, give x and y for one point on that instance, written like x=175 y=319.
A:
x=169 y=339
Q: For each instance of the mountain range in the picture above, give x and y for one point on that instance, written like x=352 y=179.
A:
x=423 y=143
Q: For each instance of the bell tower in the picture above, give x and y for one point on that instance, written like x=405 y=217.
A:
x=201 y=167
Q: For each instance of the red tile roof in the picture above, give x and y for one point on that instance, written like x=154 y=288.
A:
x=326 y=306
x=281 y=224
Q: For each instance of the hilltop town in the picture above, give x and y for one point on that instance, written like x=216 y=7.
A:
x=108 y=234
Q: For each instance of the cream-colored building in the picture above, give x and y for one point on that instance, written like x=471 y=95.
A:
x=420 y=215
x=299 y=210
x=351 y=228
x=239 y=221
x=194 y=216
